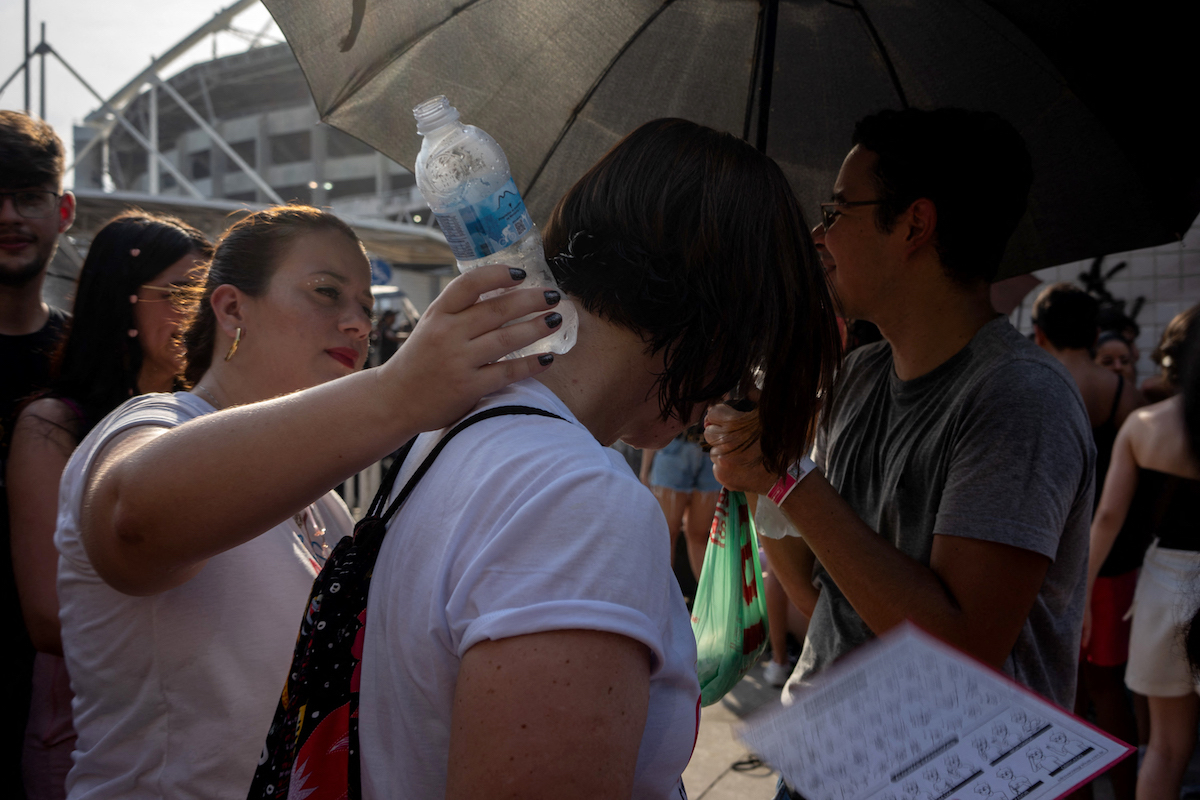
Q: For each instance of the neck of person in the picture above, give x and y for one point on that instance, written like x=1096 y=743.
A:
x=22 y=311
x=224 y=385
x=607 y=379
x=931 y=317
x=1077 y=360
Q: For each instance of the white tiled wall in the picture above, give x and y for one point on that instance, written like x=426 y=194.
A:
x=1168 y=277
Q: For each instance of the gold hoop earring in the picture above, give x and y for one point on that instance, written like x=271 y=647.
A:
x=233 y=347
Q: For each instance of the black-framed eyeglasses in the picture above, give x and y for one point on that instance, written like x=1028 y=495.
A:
x=830 y=213
x=33 y=203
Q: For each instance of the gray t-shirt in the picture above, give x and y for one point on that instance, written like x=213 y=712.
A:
x=994 y=444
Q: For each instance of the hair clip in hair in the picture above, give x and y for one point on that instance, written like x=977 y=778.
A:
x=135 y=252
x=577 y=249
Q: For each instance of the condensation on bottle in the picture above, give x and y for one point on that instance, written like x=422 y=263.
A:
x=464 y=177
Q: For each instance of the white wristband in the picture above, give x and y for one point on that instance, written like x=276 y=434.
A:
x=795 y=473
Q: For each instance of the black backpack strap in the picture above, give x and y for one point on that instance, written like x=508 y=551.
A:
x=385 y=487
x=498 y=411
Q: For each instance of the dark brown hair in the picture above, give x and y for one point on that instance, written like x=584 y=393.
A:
x=1067 y=315
x=97 y=364
x=694 y=240
x=1172 y=346
x=974 y=167
x=31 y=154
x=246 y=257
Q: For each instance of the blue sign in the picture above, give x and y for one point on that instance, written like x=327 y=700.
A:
x=381 y=272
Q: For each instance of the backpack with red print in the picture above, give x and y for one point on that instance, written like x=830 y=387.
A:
x=312 y=746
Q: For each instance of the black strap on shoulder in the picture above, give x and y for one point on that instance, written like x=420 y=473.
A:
x=385 y=489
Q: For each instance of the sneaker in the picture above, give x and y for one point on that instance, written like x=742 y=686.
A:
x=777 y=674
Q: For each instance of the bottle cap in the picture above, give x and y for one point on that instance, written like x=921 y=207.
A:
x=434 y=113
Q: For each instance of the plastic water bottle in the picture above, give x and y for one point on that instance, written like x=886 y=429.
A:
x=464 y=176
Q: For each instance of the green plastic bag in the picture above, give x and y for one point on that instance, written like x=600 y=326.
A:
x=729 y=615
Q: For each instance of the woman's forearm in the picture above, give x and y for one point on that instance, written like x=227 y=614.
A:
x=161 y=502
x=180 y=496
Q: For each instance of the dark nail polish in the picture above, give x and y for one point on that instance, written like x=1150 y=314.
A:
x=553 y=320
x=552 y=297
x=517 y=273
x=546 y=359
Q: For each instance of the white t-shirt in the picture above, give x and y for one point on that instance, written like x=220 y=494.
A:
x=524 y=524
x=174 y=693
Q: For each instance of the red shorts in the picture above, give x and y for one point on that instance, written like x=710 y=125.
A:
x=1111 y=600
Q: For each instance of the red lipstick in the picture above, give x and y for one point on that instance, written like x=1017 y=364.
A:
x=344 y=355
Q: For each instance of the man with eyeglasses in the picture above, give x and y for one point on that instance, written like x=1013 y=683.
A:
x=952 y=483
x=34 y=210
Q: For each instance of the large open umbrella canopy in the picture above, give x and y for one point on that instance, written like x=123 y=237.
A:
x=1099 y=96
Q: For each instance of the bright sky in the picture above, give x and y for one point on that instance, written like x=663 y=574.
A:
x=108 y=43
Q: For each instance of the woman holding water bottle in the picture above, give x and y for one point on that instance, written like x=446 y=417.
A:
x=191 y=524
x=526 y=636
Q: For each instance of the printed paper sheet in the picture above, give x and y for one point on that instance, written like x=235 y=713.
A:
x=907 y=717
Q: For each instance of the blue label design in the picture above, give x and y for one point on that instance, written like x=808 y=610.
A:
x=487 y=227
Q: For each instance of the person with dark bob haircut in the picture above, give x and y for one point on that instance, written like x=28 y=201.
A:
x=621 y=253
x=527 y=635
x=952 y=477
x=192 y=524
x=120 y=342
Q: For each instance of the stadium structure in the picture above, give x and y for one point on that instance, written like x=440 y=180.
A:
x=235 y=133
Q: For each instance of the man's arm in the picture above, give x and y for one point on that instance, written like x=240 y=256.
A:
x=792 y=564
x=42 y=442
x=974 y=594
x=796 y=562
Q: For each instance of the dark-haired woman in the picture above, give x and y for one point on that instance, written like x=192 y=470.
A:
x=1154 y=474
x=189 y=539
x=120 y=342
x=527 y=637
x=1114 y=353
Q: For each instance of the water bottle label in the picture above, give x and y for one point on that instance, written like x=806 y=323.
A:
x=486 y=227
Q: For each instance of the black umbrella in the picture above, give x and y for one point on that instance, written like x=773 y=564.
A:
x=1101 y=97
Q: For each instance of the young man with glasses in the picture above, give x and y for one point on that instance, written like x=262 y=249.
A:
x=954 y=459
x=34 y=210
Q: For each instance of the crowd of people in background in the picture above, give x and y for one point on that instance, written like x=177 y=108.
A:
x=171 y=447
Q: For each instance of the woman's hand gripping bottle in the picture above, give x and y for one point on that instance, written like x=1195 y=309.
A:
x=464 y=176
